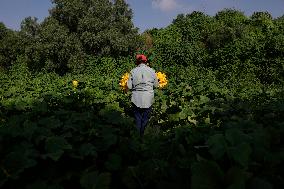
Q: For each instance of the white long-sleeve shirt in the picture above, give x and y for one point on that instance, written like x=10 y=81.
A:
x=141 y=82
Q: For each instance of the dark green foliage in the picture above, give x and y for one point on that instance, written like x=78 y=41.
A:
x=217 y=124
x=73 y=30
x=203 y=133
x=104 y=27
x=30 y=28
x=56 y=50
x=10 y=47
x=228 y=42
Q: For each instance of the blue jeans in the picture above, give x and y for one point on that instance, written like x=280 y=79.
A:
x=141 y=116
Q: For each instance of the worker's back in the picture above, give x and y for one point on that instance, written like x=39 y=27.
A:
x=141 y=82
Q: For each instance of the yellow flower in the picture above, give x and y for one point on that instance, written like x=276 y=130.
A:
x=123 y=81
x=162 y=79
x=75 y=83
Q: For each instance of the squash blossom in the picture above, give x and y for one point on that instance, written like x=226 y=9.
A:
x=123 y=81
x=75 y=83
x=162 y=78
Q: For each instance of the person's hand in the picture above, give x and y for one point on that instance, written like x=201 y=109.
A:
x=126 y=89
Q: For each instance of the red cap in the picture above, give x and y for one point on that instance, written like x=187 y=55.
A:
x=141 y=57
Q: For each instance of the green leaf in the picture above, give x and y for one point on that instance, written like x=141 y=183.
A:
x=203 y=99
x=259 y=184
x=94 y=180
x=129 y=178
x=106 y=138
x=236 y=136
x=55 y=147
x=207 y=120
x=217 y=145
x=42 y=107
x=103 y=181
x=183 y=115
x=236 y=178
x=206 y=175
x=88 y=180
x=87 y=149
x=29 y=129
x=21 y=158
x=186 y=111
x=240 y=153
x=174 y=117
x=50 y=122
x=192 y=120
x=164 y=106
x=114 y=162
x=43 y=185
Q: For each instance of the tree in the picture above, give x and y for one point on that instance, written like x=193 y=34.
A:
x=3 y=30
x=193 y=25
x=262 y=20
x=55 y=49
x=231 y=17
x=76 y=28
x=10 y=46
x=30 y=26
x=104 y=27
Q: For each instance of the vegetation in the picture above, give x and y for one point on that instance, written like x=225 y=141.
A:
x=66 y=123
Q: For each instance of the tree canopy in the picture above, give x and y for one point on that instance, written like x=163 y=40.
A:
x=74 y=30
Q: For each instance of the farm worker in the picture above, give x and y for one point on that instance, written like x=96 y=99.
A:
x=141 y=82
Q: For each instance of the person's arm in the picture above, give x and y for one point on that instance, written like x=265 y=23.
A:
x=156 y=81
x=129 y=82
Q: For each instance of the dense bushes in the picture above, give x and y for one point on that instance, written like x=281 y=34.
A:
x=218 y=123
x=228 y=42
x=203 y=132
x=75 y=29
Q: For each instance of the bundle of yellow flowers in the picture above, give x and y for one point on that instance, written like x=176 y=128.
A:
x=123 y=81
x=75 y=83
x=162 y=79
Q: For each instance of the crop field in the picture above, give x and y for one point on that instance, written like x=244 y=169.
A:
x=218 y=122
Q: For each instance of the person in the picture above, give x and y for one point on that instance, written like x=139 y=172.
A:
x=141 y=83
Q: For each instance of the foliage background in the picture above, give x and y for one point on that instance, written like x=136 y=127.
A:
x=218 y=123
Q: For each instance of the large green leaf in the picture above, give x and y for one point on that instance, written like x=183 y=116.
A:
x=206 y=175
x=50 y=122
x=114 y=162
x=259 y=184
x=55 y=147
x=236 y=178
x=94 y=180
x=88 y=149
x=240 y=153
x=22 y=157
x=236 y=136
x=43 y=185
x=29 y=129
x=106 y=137
x=203 y=99
x=217 y=145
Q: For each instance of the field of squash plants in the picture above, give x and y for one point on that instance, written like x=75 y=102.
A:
x=217 y=120
x=203 y=134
